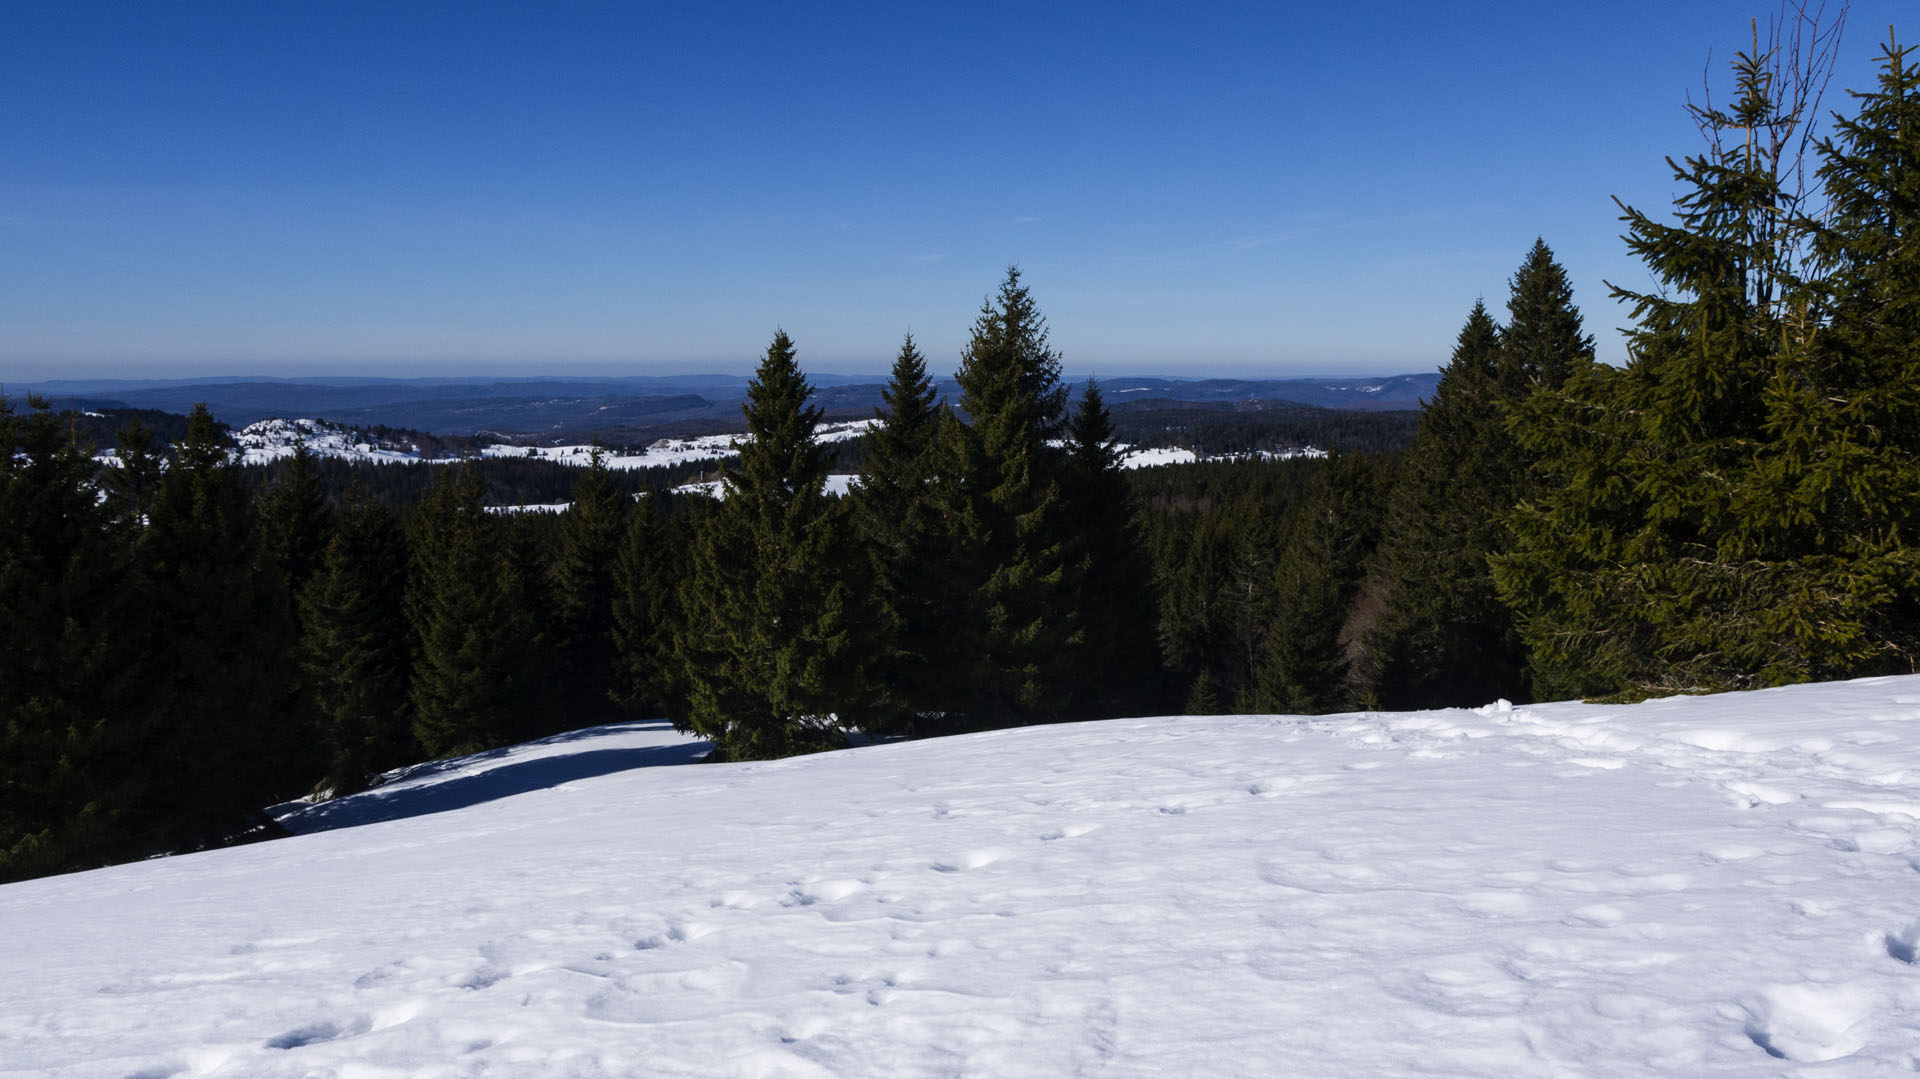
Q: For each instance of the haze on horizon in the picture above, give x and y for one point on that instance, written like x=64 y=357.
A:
x=436 y=189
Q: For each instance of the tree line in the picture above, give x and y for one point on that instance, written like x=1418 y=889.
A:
x=1734 y=507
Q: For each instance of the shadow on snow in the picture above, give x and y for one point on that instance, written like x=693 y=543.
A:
x=414 y=792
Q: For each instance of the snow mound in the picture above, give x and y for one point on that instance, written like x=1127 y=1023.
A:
x=1703 y=886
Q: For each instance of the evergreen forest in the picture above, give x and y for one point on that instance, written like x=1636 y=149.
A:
x=187 y=641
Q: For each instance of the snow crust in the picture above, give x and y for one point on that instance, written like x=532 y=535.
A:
x=1703 y=886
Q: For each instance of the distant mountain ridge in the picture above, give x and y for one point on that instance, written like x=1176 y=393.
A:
x=582 y=407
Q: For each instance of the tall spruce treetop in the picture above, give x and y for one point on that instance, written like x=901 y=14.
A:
x=1443 y=638
x=767 y=647
x=781 y=466
x=1544 y=343
x=1015 y=535
x=1009 y=379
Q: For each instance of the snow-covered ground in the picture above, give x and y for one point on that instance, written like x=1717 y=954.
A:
x=1691 y=887
x=838 y=484
x=269 y=440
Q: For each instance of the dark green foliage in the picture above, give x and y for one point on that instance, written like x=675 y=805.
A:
x=1115 y=668
x=355 y=648
x=1735 y=507
x=229 y=733
x=1443 y=636
x=581 y=612
x=902 y=512
x=656 y=553
x=63 y=695
x=131 y=487
x=1217 y=428
x=1305 y=664
x=767 y=642
x=470 y=683
x=294 y=520
x=1012 y=533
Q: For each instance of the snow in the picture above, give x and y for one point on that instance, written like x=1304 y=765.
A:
x=1156 y=457
x=838 y=484
x=668 y=451
x=270 y=440
x=1700 y=886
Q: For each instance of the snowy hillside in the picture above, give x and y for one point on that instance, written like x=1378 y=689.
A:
x=1690 y=887
x=270 y=440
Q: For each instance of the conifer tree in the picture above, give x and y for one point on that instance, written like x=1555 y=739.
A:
x=1013 y=540
x=294 y=521
x=469 y=686
x=654 y=556
x=582 y=614
x=217 y=647
x=1444 y=639
x=1640 y=565
x=65 y=699
x=1116 y=664
x=767 y=645
x=1545 y=340
x=1305 y=664
x=355 y=647
x=900 y=510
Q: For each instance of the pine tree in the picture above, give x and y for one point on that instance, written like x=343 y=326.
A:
x=355 y=648
x=901 y=512
x=1545 y=341
x=1115 y=666
x=1013 y=541
x=64 y=693
x=1635 y=567
x=583 y=587
x=654 y=556
x=469 y=687
x=294 y=521
x=217 y=653
x=1306 y=662
x=1444 y=639
x=767 y=645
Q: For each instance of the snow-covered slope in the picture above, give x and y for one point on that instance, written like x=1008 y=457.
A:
x=1691 y=887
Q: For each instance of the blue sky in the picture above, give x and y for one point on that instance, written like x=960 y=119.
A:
x=1267 y=189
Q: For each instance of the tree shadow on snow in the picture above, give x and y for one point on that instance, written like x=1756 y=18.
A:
x=407 y=796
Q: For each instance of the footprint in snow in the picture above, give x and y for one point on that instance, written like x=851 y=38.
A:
x=1905 y=945
x=325 y=1030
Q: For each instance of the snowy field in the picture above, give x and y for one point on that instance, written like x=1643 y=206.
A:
x=1720 y=886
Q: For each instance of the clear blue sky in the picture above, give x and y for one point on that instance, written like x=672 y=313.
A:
x=415 y=188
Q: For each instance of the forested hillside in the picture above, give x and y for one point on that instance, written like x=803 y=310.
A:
x=187 y=640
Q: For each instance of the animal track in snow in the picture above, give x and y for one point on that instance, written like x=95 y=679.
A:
x=1905 y=945
x=325 y=1030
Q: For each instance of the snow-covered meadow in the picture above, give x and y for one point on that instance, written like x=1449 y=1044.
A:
x=1701 y=886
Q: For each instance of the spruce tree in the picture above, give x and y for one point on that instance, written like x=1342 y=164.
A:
x=900 y=510
x=767 y=646
x=230 y=727
x=1012 y=531
x=1116 y=664
x=1306 y=660
x=583 y=587
x=66 y=701
x=469 y=686
x=1444 y=639
x=655 y=555
x=1637 y=567
x=355 y=647
x=294 y=521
